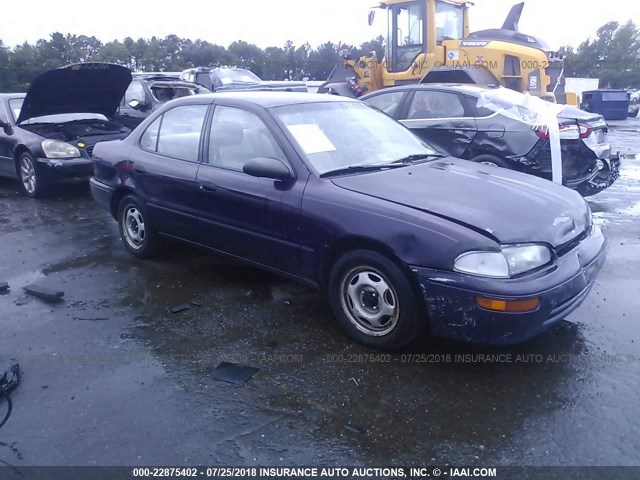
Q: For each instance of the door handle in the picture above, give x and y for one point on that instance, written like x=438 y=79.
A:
x=208 y=187
x=140 y=169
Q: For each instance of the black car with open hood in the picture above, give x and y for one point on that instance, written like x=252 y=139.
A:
x=47 y=135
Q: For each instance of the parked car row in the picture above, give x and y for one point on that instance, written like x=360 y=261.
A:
x=456 y=119
x=225 y=79
x=403 y=234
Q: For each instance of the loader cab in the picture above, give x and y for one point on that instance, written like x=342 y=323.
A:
x=418 y=26
x=406 y=34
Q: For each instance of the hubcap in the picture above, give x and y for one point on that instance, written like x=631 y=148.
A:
x=134 y=229
x=370 y=302
x=28 y=175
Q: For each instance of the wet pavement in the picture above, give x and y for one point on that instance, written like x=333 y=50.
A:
x=112 y=377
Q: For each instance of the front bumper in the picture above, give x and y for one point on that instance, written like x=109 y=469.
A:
x=101 y=193
x=561 y=288
x=604 y=179
x=67 y=170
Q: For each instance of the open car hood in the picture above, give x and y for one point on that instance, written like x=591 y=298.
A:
x=79 y=88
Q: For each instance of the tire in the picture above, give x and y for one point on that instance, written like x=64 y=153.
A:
x=363 y=283
x=30 y=176
x=492 y=160
x=138 y=235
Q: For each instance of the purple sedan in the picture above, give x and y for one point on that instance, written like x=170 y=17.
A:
x=330 y=192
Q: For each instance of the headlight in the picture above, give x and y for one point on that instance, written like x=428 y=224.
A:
x=589 y=214
x=522 y=258
x=58 y=149
x=510 y=261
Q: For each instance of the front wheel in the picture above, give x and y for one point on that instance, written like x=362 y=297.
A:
x=491 y=161
x=30 y=176
x=138 y=235
x=374 y=301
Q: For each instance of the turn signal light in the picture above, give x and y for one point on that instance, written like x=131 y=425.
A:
x=509 y=306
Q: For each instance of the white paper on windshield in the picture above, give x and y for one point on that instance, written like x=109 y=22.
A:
x=311 y=138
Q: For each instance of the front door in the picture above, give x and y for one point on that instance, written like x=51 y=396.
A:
x=252 y=218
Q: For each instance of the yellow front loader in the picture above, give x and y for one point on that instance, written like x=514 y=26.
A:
x=429 y=41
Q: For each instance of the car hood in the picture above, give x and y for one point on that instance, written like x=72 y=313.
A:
x=506 y=206
x=80 y=88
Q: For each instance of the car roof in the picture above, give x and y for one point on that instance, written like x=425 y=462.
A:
x=266 y=99
x=12 y=95
x=468 y=88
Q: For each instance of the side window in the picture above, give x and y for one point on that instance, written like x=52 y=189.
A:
x=387 y=102
x=176 y=133
x=238 y=136
x=149 y=139
x=431 y=104
x=478 y=111
x=134 y=92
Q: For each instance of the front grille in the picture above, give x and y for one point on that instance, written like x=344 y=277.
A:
x=89 y=150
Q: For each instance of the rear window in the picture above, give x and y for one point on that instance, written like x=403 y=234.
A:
x=615 y=97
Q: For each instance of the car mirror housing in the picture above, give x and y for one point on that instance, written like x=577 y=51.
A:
x=267 y=168
x=136 y=104
x=8 y=129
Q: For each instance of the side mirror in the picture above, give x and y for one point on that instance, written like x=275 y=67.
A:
x=267 y=168
x=136 y=104
x=6 y=126
x=372 y=17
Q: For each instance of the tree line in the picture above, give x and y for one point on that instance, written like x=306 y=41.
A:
x=20 y=65
x=613 y=56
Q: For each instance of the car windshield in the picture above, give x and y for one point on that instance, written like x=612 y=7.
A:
x=237 y=76
x=335 y=136
x=449 y=21
x=16 y=106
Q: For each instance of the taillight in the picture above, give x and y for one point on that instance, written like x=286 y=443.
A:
x=567 y=132
x=585 y=130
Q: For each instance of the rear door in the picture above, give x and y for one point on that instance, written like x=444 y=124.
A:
x=166 y=167
x=441 y=119
x=256 y=219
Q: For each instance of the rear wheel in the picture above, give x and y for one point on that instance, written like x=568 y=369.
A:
x=491 y=161
x=138 y=235
x=30 y=176
x=374 y=301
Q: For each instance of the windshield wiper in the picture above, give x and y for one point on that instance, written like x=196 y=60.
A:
x=415 y=158
x=361 y=169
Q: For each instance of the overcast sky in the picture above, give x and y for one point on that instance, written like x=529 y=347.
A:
x=272 y=22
